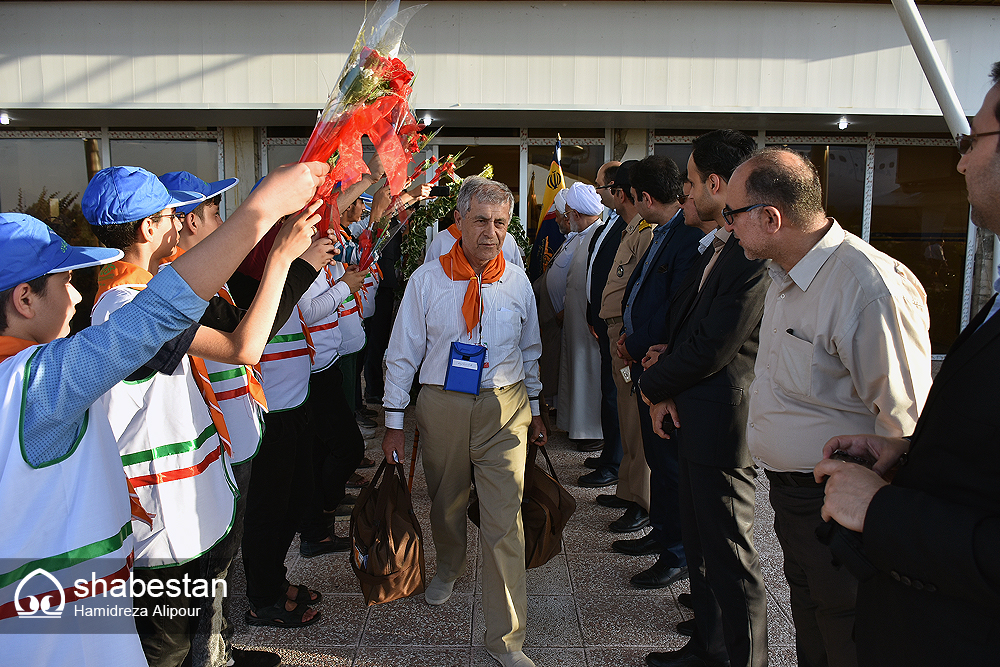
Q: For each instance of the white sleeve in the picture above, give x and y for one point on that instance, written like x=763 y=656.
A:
x=407 y=346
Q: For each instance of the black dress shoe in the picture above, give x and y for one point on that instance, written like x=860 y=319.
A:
x=635 y=518
x=643 y=546
x=583 y=445
x=592 y=462
x=249 y=658
x=599 y=478
x=684 y=600
x=660 y=575
x=611 y=500
x=309 y=549
x=687 y=627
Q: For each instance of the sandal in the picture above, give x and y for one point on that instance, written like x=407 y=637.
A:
x=367 y=462
x=304 y=595
x=276 y=616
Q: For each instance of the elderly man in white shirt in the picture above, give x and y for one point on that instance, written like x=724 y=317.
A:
x=468 y=322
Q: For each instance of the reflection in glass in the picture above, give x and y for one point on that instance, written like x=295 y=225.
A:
x=920 y=216
x=842 y=173
x=198 y=156
x=679 y=153
x=30 y=165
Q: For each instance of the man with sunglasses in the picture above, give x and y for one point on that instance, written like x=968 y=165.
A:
x=932 y=587
x=844 y=348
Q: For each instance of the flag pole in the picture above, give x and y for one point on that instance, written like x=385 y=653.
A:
x=931 y=64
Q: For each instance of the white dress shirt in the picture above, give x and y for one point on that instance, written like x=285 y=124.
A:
x=430 y=320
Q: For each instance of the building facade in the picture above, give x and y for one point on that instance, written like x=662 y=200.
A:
x=232 y=88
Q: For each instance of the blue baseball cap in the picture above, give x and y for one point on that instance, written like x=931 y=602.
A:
x=117 y=195
x=32 y=250
x=186 y=181
x=367 y=199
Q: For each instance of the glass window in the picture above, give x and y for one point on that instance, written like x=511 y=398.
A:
x=842 y=172
x=198 y=156
x=29 y=166
x=920 y=216
x=679 y=153
x=579 y=163
x=505 y=161
x=279 y=155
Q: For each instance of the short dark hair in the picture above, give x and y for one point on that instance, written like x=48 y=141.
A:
x=719 y=152
x=199 y=210
x=37 y=285
x=119 y=236
x=794 y=189
x=659 y=177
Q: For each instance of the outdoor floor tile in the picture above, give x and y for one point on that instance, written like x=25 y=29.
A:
x=552 y=621
x=397 y=656
x=411 y=621
x=340 y=625
x=543 y=657
x=608 y=574
x=630 y=620
x=625 y=656
x=330 y=656
x=329 y=573
x=550 y=579
x=780 y=630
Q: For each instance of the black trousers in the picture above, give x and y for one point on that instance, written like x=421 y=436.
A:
x=664 y=498
x=727 y=589
x=337 y=449
x=822 y=595
x=212 y=642
x=165 y=636
x=611 y=455
x=280 y=485
x=378 y=327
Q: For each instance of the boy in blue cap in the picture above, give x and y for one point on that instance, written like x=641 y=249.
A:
x=58 y=460
x=241 y=401
x=172 y=433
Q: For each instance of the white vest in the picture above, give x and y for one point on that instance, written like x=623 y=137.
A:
x=70 y=518
x=325 y=331
x=172 y=455
x=285 y=365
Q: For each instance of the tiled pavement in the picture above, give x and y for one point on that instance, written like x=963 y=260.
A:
x=581 y=609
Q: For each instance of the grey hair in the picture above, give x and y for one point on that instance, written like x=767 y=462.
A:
x=485 y=191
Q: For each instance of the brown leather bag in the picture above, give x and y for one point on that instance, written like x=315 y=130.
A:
x=545 y=509
x=387 y=550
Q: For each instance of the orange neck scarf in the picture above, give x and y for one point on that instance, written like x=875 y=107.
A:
x=453 y=229
x=121 y=273
x=456 y=266
x=9 y=346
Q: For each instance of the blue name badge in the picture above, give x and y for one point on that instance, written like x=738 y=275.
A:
x=465 y=368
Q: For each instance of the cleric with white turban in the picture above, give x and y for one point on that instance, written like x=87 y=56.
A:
x=583 y=201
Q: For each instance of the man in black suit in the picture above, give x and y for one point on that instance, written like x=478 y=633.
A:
x=931 y=592
x=601 y=257
x=657 y=186
x=695 y=383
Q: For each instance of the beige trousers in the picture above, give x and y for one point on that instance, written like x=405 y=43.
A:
x=633 y=473
x=490 y=432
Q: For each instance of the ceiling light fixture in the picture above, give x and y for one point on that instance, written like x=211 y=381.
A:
x=842 y=123
x=4 y=118
x=427 y=120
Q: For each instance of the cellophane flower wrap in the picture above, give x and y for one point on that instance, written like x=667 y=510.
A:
x=371 y=98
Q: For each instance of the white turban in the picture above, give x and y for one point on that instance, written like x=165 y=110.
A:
x=560 y=200
x=584 y=199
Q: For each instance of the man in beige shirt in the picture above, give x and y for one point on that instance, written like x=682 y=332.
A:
x=633 y=473
x=844 y=348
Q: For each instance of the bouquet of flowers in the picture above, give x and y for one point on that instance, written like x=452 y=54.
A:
x=374 y=239
x=371 y=98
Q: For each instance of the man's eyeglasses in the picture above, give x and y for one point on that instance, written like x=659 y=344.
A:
x=605 y=187
x=681 y=199
x=730 y=215
x=965 y=141
x=176 y=214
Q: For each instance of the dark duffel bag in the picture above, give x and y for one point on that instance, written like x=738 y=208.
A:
x=387 y=550
x=545 y=509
